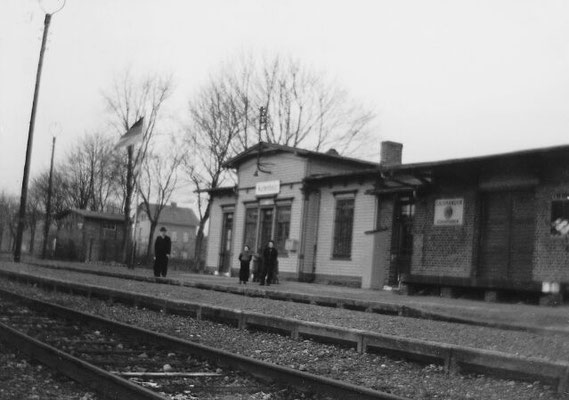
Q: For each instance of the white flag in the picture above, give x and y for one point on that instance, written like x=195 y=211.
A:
x=133 y=136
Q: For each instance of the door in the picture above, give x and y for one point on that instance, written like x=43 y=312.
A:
x=507 y=236
x=226 y=238
x=402 y=238
x=265 y=227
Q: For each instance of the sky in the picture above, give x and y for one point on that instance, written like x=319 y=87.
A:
x=448 y=79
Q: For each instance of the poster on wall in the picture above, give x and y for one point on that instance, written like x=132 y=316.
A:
x=449 y=212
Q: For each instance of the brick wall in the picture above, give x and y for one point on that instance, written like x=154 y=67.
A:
x=445 y=250
x=551 y=256
x=382 y=243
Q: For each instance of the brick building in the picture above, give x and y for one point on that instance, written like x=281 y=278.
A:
x=85 y=235
x=181 y=224
x=482 y=223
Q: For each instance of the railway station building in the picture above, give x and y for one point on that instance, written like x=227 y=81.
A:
x=492 y=224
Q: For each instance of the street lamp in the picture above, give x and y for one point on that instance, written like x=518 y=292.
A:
x=24 y=195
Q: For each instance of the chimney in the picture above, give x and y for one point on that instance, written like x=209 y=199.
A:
x=391 y=153
x=174 y=204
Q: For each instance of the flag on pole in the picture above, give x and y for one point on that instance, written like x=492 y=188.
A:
x=133 y=136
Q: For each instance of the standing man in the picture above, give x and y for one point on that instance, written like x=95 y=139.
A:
x=270 y=255
x=162 y=248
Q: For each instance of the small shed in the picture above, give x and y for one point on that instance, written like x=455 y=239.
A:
x=85 y=235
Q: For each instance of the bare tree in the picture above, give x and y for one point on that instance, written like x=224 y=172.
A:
x=216 y=122
x=91 y=169
x=34 y=215
x=127 y=101
x=158 y=180
x=60 y=199
x=304 y=109
x=9 y=206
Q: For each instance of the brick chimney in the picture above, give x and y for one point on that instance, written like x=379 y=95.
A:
x=391 y=153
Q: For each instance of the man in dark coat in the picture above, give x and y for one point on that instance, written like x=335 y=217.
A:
x=270 y=260
x=162 y=248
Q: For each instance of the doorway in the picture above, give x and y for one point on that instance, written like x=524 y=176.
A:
x=265 y=227
x=507 y=236
x=226 y=238
x=402 y=238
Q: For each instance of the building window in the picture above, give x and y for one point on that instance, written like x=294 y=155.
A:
x=560 y=215
x=250 y=235
x=110 y=227
x=186 y=237
x=282 y=228
x=174 y=236
x=343 y=227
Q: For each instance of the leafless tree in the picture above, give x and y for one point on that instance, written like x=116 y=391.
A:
x=215 y=125
x=60 y=199
x=92 y=168
x=158 y=181
x=34 y=214
x=303 y=109
x=127 y=101
x=9 y=206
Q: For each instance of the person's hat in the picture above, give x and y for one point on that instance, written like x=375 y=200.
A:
x=162 y=229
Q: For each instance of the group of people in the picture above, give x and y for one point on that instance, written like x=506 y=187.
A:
x=266 y=269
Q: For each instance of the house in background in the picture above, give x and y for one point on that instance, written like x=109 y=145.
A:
x=181 y=224
x=85 y=235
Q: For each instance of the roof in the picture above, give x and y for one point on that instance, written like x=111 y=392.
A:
x=539 y=152
x=176 y=215
x=409 y=176
x=92 y=214
x=268 y=148
x=221 y=191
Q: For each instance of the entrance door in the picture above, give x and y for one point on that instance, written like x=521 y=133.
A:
x=265 y=227
x=507 y=236
x=226 y=238
x=402 y=238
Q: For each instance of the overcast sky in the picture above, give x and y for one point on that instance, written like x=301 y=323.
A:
x=447 y=78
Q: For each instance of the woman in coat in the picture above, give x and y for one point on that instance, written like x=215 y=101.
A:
x=245 y=259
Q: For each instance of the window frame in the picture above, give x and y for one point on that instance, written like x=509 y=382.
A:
x=560 y=200
x=280 y=243
x=343 y=228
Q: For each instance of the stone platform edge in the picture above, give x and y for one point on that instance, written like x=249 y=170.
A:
x=384 y=308
x=454 y=358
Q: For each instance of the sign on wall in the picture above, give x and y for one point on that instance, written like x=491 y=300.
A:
x=449 y=212
x=267 y=188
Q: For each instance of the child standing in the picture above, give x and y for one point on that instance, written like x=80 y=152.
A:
x=245 y=259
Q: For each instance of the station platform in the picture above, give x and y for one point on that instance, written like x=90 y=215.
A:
x=523 y=317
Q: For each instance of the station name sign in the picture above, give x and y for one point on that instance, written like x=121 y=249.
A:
x=267 y=188
x=449 y=212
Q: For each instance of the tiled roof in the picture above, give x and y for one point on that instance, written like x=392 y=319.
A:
x=267 y=148
x=176 y=215
x=93 y=214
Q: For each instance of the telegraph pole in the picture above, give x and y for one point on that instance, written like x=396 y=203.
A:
x=24 y=194
x=48 y=205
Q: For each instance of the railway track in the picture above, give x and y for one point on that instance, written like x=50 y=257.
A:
x=120 y=361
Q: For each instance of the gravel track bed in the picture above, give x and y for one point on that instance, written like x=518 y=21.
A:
x=550 y=347
x=21 y=379
x=375 y=371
